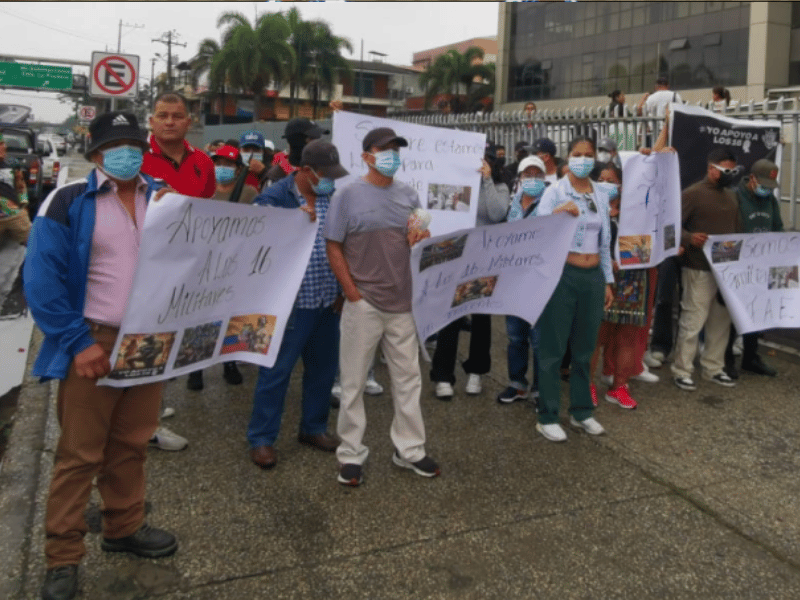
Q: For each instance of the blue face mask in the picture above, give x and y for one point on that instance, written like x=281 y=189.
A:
x=612 y=189
x=224 y=174
x=122 y=162
x=532 y=186
x=581 y=166
x=762 y=192
x=387 y=162
x=324 y=186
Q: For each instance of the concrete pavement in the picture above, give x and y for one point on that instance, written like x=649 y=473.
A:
x=693 y=495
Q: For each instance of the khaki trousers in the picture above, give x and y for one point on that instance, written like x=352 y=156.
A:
x=699 y=309
x=363 y=327
x=104 y=434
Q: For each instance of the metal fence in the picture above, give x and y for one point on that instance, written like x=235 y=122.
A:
x=630 y=132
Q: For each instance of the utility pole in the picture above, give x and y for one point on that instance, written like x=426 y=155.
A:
x=169 y=43
x=119 y=35
x=361 y=76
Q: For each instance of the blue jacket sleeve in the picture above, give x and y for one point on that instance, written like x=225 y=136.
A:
x=46 y=277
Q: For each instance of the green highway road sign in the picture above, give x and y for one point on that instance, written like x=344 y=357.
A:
x=29 y=75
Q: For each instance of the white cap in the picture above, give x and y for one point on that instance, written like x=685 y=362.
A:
x=531 y=161
x=269 y=144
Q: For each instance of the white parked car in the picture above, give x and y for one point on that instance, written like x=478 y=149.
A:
x=51 y=165
x=59 y=142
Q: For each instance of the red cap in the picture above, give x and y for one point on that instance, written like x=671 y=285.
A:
x=228 y=152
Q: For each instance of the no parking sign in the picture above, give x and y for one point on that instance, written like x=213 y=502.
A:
x=114 y=75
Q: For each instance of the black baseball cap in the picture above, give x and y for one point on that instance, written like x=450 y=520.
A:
x=303 y=126
x=382 y=136
x=113 y=126
x=545 y=145
x=521 y=146
x=323 y=157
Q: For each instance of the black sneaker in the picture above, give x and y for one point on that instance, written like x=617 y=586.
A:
x=350 y=474
x=685 y=383
x=731 y=370
x=60 y=583
x=511 y=394
x=426 y=466
x=195 y=381
x=721 y=379
x=231 y=373
x=148 y=542
x=758 y=366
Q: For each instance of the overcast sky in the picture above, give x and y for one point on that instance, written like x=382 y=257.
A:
x=73 y=30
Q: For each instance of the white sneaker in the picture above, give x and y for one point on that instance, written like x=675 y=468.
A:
x=165 y=439
x=606 y=379
x=474 y=386
x=646 y=375
x=738 y=346
x=372 y=388
x=654 y=359
x=168 y=412
x=444 y=391
x=552 y=432
x=336 y=391
x=590 y=425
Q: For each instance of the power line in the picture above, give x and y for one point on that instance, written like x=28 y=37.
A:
x=53 y=28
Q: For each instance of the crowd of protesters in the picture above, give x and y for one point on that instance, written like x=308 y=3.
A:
x=355 y=296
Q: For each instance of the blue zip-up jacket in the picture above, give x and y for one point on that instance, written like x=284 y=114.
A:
x=56 y=269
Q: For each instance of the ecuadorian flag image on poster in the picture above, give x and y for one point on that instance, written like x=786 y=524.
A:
x=249 y=333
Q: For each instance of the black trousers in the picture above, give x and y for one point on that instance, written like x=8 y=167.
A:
x=443 y=363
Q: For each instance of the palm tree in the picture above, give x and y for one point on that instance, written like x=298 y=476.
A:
x=252 y=57
x=453 y=70
x=328 y=66
x=206 y=51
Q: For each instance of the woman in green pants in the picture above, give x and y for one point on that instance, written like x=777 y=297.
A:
x=573 y=314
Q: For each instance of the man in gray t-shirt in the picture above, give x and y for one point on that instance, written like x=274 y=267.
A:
x=369 y=245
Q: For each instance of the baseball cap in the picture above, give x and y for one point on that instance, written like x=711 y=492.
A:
x=303 y=126
x=521 y=146
x=545 y=145
x=323 y=157
x=766 y=172
x=382 y=136
x=269 y=144
x=606 y=143
x=228 y=152
x=113 y=126
x=531 y=161
x=252 y=138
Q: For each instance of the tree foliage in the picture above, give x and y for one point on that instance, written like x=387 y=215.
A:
x=458 y=73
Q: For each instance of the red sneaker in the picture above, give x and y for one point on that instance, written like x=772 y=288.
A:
x=593 y=392
x=622 y=397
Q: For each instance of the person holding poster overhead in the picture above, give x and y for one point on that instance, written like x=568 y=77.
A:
x=372 y=225
x=759 y=212
x=573 y=314
x=313 y=329
x=79 y=271
x=708 y=206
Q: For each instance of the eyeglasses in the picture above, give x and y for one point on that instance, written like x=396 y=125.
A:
x=725 y=171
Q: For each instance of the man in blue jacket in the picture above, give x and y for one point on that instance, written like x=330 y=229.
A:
x=79 y=270
x=313 y=328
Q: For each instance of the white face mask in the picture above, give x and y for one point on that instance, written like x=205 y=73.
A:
x=603 y=156
x=247 y=157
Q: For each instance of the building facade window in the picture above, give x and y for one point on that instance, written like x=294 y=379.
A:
x=560 y=50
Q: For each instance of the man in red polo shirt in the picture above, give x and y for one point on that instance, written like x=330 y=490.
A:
x=185 y=169
x=171 y=158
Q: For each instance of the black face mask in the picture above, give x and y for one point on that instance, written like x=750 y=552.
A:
x=500 y=161
x=724 y=180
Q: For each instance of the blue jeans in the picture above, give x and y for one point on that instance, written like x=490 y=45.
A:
x=521 y=337
x=313 y=334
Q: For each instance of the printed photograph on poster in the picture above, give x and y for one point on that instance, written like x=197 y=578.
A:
x=142 y=355
x=728 y=251
x=249 y=333
x=443 y=196
x=482 y=287
x=198 y=343
x=783 y=278
x=444 y=251
x=635 y=249
x=670 y=241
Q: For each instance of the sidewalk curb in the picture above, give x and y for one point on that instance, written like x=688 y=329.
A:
x=19 y=477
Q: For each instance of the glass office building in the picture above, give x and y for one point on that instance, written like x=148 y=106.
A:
x=562 y=50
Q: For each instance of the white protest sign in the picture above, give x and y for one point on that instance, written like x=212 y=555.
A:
x=215 y=281
x=650 y=210
x=505 y=269
x=440 y=164
x=757 y=274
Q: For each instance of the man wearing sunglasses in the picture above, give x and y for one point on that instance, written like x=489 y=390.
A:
x=708 y=207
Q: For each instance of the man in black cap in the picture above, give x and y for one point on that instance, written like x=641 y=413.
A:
x=510 y=172
x=298 y=133
x=545 y=149
x=314 y=333
x=369 y=236
x=78 y=275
